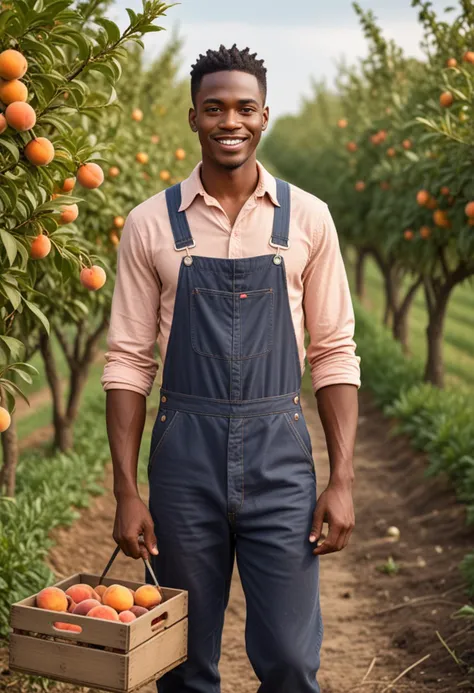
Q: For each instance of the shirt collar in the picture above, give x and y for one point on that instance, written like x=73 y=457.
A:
x=192 y=186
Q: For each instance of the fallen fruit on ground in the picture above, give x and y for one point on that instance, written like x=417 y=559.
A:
x=90 y=175
x=118 y=597
x=52 y=598
x=5 y=419
x=69 y=213
x=20 y=116
x=147 y=596
x=92 y=278
x=13 y=64
x=13 y=90
x=83 y=608
x=138 y=610
x=40 y=247
x=40 y=151
x=104 y=612
x=127 y=617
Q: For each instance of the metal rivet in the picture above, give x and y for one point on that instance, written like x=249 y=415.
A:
x=163 y=418
x=188 y=260
x=296 y=399
x=277 y=259
x=297 y=416
x=163 y=399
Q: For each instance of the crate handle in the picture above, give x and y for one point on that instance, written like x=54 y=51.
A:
x=159 y=622
x=145 y=560
x=67 y=633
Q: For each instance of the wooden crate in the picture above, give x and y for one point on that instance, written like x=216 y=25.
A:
x=106 y=655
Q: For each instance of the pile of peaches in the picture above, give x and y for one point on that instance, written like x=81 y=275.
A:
x=113 y=603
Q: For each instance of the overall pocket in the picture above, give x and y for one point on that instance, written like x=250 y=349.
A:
x=301 y=435
x=217 y=318
x=161 y=430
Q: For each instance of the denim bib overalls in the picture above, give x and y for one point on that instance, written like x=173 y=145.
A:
x=231 y=470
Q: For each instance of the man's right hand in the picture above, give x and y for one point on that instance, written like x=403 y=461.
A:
x=133 y=518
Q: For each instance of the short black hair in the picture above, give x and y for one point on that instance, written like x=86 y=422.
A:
x=228 y=59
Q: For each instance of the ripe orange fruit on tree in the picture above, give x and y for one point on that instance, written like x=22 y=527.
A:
x=425 y=232
x=444 y=190
x=90 y=175
x=422 y=197
x=114 y=238
x=137 y=114
x=119 y=222
x=165 y=175
x=20 y=116
x=68 y=184
x=391 y=151
x=432 y=203
x=69 y=213
x=13 y=64
x=440 y=218
x=3 y=123
x=360 y=186
x=180 y=154
x=471 y=221
x=408 y=234
x=385 y=185
x=451 y=62
x=351 y=147
x=40 y=151
x=446 y=99
x=13 y=90
x=342 y=123
x=142 y=157
x=92 y=278
x=114 y=171
x=469 y=209
x=468 y=57
x=406 y=144
x=155 y=139
x=40 y=247
x=5 y=419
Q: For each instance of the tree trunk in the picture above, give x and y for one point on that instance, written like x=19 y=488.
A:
x=391 y=285
x=400 y=316
x=434 y=370
x=360 y=273
x=10 y=459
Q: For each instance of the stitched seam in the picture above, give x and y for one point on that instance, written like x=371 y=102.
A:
x=160 y=442
x=242 y=468
x=289 y=395
x=299 y=439
x=233 y=416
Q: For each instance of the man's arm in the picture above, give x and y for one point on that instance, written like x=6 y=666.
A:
x=128 y=378
x=335 y=374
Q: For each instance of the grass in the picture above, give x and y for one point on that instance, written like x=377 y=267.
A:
x=459 y=336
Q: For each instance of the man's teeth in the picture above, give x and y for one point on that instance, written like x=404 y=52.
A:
x=232 y=143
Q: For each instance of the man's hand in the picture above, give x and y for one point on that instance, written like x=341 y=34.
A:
x=335 y=506
x=133 y=518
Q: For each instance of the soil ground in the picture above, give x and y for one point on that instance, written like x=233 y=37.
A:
x=376 y=624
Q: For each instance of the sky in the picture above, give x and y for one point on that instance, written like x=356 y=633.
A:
x=300 y=40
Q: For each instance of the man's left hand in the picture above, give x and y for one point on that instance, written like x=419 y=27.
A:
x=335 y=506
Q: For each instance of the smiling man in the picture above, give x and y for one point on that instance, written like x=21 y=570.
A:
x=226 y=270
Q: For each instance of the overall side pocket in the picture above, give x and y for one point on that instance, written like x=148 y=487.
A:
x=292 y=425
x=161 y=430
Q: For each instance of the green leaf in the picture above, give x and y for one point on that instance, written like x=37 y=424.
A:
x=10 y=245
x=12 y=294
x=133 y=16
x=113 y=32
x=14 y=346
x=25 y=376
x=12 y=148
x=39 y=314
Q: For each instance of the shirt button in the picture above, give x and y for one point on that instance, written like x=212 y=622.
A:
x=295 y=399
x=297 y=416
x=163 y=399
x=163 y=418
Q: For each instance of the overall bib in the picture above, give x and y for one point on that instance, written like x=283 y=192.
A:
x=231 y=469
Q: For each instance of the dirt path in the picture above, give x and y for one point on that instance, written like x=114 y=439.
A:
x=390 y=490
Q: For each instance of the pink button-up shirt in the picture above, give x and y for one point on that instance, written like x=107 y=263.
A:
x=147 y=274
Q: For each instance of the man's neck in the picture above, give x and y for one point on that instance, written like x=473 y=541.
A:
x=226 y=184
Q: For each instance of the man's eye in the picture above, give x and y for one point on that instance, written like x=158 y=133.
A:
x=247 y=109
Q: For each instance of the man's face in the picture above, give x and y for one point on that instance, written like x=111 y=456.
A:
x=229 y=116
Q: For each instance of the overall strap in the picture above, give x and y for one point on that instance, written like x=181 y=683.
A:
x=281 y=216
x=179 y=223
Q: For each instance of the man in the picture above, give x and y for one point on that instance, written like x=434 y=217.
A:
x=226 y=271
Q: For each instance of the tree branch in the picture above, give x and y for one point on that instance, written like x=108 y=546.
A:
x=65 y=347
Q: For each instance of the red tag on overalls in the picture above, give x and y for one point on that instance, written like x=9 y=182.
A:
x=243 y=295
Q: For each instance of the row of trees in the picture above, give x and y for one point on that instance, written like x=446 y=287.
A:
x=392 y=152
x=96 y=104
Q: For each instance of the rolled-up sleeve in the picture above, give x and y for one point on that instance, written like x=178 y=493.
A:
x=134 y=317
x=329 y=315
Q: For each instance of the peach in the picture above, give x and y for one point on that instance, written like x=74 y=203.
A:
x=68 y=184
x=451 y=62
x=83 y=608
x=422 y=197
x=119 y=222
x=118 y=597
x=5 y=419
x=137 y=114
x=441 y=219
x=69 y=213
x=114 y=171
x=40 y=151
x=104 y=612
x=52 y=598
x=180 y=154
x=72 y=604
x=100 y=589
x=73 y=627
x=155 y=139
x=13 y=64
x=425 y=232
x=40 y=247
x=446 y=99
x=90 y=175
x=80 y=592
x=165 y=175
x=468 y=57
x=147 y=596
x=114 y=238
x=127 y=616
x=3 y=123
x=11 y=91
x=408 y=234
x=92 y=278
x=469 y=209
x=360 y=186
x=342 y=123
x=138 y=610
x=351 y=147
x=406 y=144
x=20 y=116
x=142 y=157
